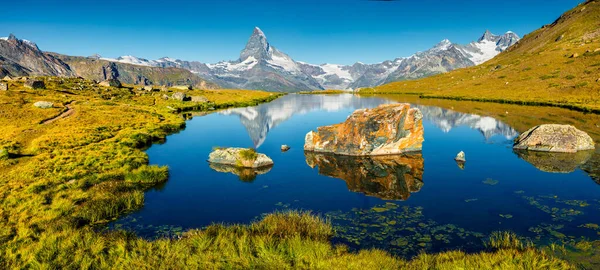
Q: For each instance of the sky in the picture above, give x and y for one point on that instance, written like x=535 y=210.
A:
x=313 y=31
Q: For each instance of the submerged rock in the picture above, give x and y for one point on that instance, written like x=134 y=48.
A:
x=385 y=130
x=285 y=148
x=460 y=157
x=555 y=162
x=43 y=104
x=554 y=138
x=392 y=177
x=239 y=157
x=245 y=174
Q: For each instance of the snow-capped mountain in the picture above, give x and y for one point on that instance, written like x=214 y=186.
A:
x=262 y=66
x=20 y=57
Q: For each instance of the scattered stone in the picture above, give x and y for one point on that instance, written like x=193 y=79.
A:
x=285 y=148
x=559 y=38
x=554 y=138
x=3 y=86
x=385 y=130
x=165 y=97
x=43 y=104
x=35 y=84
x=4 y=154
x=239 y=157
x=182 y=87
x=180 y=96
x=199 y=99
x=460 y=157
x=147 y=88
x=575 y=55
x=111 y=83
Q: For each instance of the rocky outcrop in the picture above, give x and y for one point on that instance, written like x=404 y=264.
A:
x=385 y=130
x=554 y=138
x=43 y=104
x=245 y=174
x=19 y=57
x=392 y=177
x=239 y=157
x=179 y=96
x=35 y=84
x=555 y=162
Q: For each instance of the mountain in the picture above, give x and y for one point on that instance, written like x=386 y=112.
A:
x=20 y=57
x=558 y=64
x=262 y=66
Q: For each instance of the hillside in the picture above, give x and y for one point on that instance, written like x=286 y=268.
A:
x=558 y=64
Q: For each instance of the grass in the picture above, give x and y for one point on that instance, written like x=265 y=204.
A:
x=538 y=69
x=64 y=180
x=248 y=154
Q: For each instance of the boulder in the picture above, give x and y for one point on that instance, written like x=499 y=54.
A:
x=554 y=138
x=460 y=157
x=285 y=148
x=35 y=84
x=148 y=88
x=43 y=104
x=385 y=130
x=3 y=86
x=111 y=83
x=199 y=99
x=239 y=157
x=392 y=177
x=180 y=96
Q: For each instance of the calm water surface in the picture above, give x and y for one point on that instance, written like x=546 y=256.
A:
x=401 y=204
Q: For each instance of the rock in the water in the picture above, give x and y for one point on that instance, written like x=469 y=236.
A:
x=180 y=96
x=245 y=174
x=111 y=83
x=387 y=129
x=460 y=157
x=43 y=104
x=555 y=162
x=554 y=138
x=285 y=148
x=3 y=86
x=199 y=99
x=35 y=84
x=4 y=154
x=239 y=157
x=392 y=177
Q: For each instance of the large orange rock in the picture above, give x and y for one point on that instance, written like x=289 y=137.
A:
x=392 y=177
x=386 y=130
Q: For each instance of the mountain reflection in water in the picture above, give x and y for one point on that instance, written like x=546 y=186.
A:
x=392 y=177
x=259 y=120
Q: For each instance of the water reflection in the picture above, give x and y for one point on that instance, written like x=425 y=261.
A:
x=245 y=174
x=392 y=177
x=259 y=120
x=555 y=162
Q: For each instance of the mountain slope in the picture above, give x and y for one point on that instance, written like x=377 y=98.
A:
x=557 y=64
x=22 y=57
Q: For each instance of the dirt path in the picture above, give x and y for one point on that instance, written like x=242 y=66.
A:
x=70 y=110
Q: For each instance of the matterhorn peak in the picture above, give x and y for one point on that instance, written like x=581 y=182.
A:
x=257 y=46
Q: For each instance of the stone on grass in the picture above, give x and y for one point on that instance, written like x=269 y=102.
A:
x=43 y=104
x=385 y=130
x=35 y=84
x=3 y=86
x=180 y=96
x=111 y=83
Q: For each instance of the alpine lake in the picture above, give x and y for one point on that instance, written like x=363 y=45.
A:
x=403 y=204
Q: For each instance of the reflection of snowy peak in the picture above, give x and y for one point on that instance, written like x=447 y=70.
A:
x=448 y=119
x=261 y=119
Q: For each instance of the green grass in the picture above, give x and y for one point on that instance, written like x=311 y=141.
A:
x=248 y=154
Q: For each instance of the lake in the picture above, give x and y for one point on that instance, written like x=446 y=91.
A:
x=403 y=204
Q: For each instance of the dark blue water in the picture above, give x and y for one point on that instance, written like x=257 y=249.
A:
x=443 y=207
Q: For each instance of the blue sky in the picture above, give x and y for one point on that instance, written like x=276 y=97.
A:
x=312 y=31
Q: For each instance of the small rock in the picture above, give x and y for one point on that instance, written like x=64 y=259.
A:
x=4 y=154
x=3 y=86
x=180 y=96
x=35 y=84
x=575 y=55
x=554 y=138
x=239 y=157
x=111 y=83
x=285 y=148
x=165 y=97
x=199 y=99
x=460 y=157
x=559 y=38
x=598 y=80
x=147 y=88
x=43 y=104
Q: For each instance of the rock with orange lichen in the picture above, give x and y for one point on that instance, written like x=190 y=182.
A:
x=386 y=130
x=392 y=177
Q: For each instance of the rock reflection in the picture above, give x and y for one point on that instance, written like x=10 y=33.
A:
x=386 y=177
x=555 y=162
x=245 y=174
